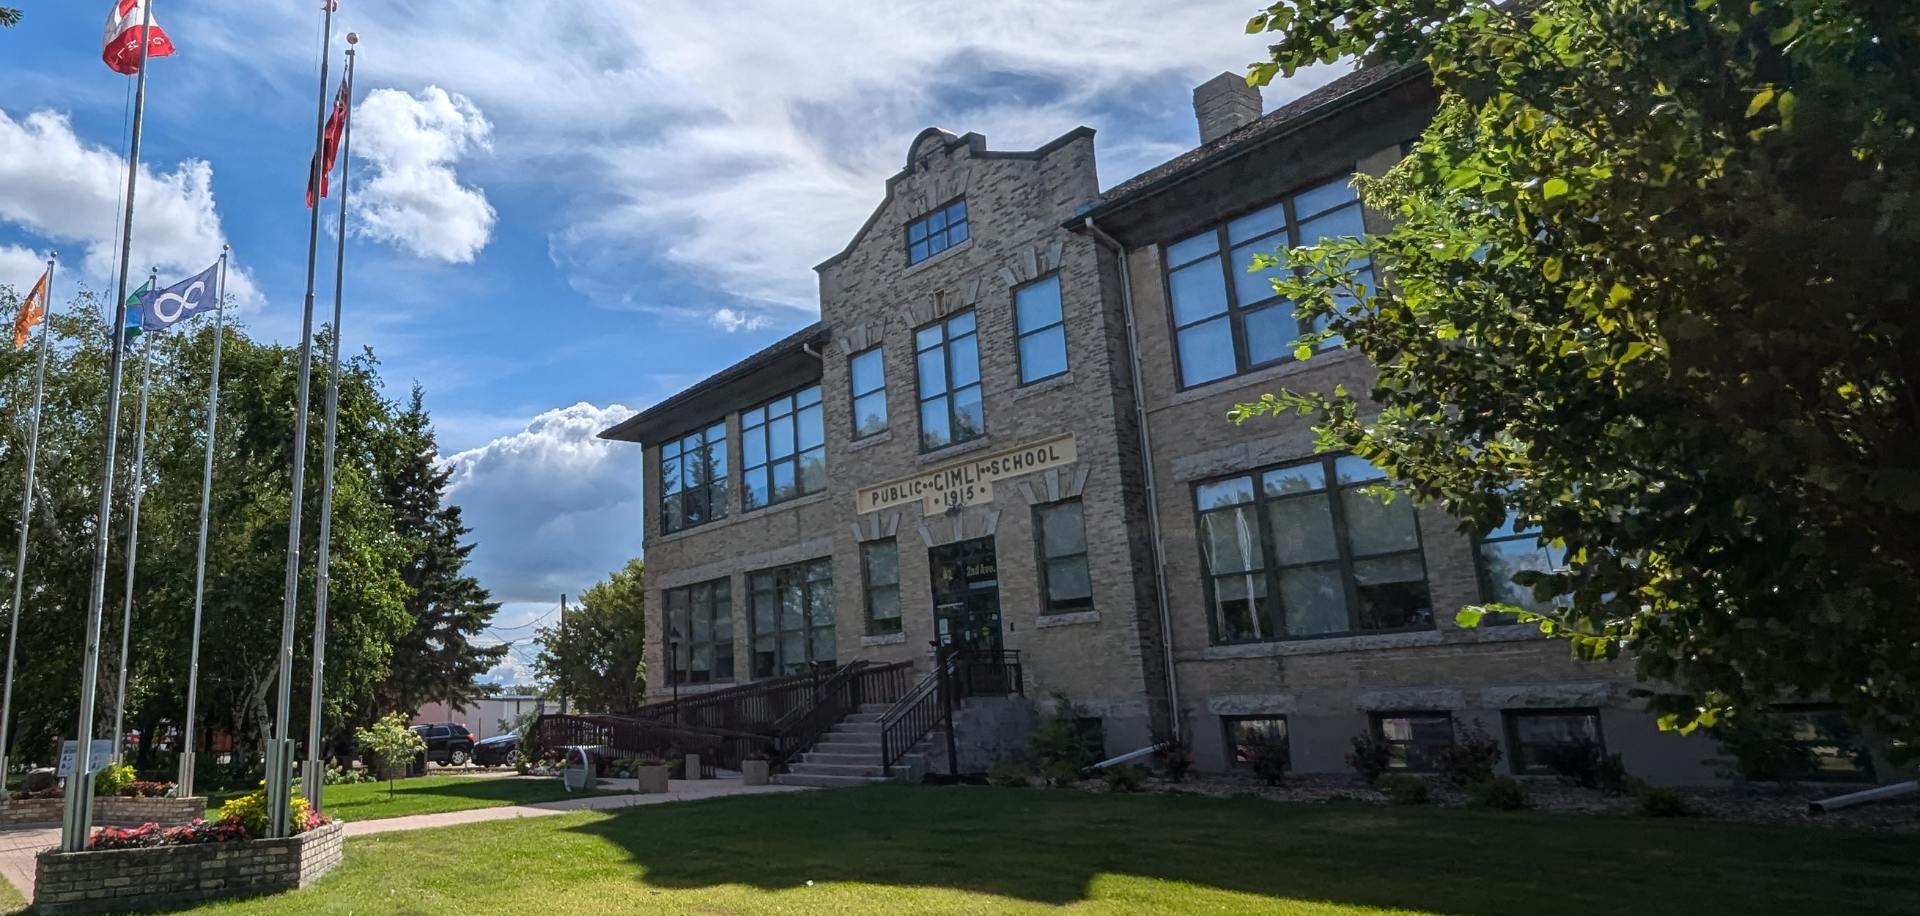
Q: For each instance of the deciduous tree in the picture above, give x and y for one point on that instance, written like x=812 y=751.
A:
x=1653 y=290
x=593 y=655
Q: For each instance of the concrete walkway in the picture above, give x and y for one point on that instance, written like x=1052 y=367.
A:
x=18 y=847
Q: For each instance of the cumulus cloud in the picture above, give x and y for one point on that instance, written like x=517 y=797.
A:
x=415 y=199
x=734 y=321
x=68 y=192
x=555 y=509
x=742 y=143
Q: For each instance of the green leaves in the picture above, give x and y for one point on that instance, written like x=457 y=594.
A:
x=1642 y=296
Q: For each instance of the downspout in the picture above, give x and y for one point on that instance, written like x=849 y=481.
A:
x=1146 y=456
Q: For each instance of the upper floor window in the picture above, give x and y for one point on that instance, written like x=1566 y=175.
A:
x=1307 y=550
x=1061 y=533
x=881 y=560
x=937 y=231
x=693 y=479
x=1507 y=551
x=951 y=410
x=700 y=632
x=793 y=619
x=1228 y=319
x=869 y=371
x=783 y=445
x=1043 y=330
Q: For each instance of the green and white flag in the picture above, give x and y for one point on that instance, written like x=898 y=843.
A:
x=134 y=311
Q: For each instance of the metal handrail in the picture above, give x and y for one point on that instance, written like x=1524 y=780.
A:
x=956 y=675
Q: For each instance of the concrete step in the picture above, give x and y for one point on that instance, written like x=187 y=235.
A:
x=841 y=759
x=824 y=782
x=848 y=747
x=874 y=709
x=863 y=729
x=809 y=768
x=862 y=718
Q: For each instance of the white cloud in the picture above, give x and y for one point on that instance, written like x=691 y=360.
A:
x=20 y=268
x=554 y=508
x=415 y=199
x=742 y=143
x=68 y=192
x=734 y=321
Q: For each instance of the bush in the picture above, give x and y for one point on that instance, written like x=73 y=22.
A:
x=1583 y=764
x=1060 y=745
x=1662 y=803
x=1176 y=759
x=1763 y=749
x=1405 y=789
x=1498 y=795
x=346 y=776
x=1270 y=764
x=1371 y=757
x=1123 y=777
x=250 y=812
x=1472 y=757
x=110 y=781
x=1008 y=775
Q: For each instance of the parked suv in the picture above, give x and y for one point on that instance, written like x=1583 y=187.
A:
x=447 y=744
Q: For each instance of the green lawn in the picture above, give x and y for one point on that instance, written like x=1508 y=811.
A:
x=912 y=850
x=427 y=795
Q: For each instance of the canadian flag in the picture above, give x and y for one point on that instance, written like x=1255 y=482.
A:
x=121 y=48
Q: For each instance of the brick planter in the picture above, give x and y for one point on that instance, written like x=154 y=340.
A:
x=177 y=877
x=114 y=812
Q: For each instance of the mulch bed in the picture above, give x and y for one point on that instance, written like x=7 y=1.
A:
x=1754 y=805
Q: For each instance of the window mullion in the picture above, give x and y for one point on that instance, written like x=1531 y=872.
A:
x=1270 y=563
x=1343 y=541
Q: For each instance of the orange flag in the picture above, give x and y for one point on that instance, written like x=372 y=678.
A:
x=31 y=311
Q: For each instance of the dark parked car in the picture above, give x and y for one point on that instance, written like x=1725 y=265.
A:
x=447 y=744
x=499 y=750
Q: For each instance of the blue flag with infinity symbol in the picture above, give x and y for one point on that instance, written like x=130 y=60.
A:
x=162 y=309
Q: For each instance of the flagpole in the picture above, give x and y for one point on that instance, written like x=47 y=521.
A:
x=280 y=750
x=26 y=515
x=206 y=506
x=314 y=781
x=76 y=826
x=138 y=488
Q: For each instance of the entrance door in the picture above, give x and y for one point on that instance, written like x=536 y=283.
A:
x=966 y=602
x=966 y=595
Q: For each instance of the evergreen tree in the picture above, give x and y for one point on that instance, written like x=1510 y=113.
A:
x=436 y=661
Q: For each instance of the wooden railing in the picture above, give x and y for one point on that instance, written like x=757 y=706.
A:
x=957 y=674
x=747 y=708
x=625 y=736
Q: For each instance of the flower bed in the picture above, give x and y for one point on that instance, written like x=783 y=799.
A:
x=184 y=867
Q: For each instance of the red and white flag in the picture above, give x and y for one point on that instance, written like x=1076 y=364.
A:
x=122 y=44
x=330 y=145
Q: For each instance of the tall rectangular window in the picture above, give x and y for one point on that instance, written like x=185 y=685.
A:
x=700 y=632
x=937 y=231
x=783 y=444
x=693 y=479
x=951 y=409
x=1041 y=321
x=1506 y=552
x=869 y=372
x=1308 y=550
x=1062 y=539
x=793 y=619
x=881 y=562
x=1227 y=317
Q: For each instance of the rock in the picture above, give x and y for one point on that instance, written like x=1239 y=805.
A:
x=41 y=780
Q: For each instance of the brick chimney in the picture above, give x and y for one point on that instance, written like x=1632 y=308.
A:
x=1223 y=104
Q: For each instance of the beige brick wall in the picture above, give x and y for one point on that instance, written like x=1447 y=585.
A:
x=177 y=877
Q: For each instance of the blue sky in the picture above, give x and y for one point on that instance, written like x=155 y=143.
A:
x=565 y=211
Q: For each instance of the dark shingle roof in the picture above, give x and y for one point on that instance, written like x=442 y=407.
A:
x=637 y=427
x=1306 y=108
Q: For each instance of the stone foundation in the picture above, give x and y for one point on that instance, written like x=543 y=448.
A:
x=177 y=877
x=107 y=812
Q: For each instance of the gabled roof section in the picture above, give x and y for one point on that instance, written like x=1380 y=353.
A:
x=1313 y=107
x=767 y=374
x=923 y=146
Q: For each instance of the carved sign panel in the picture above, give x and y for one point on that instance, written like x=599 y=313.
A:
x=969 y=482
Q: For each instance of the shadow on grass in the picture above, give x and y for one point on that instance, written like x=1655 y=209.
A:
x=1049 y=846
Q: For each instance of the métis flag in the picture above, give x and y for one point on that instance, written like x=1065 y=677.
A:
x=121 y=47
x=329 y=151
x=165 y=308
x=31 y=311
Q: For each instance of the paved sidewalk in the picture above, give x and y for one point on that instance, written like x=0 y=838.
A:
x=18 y=847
